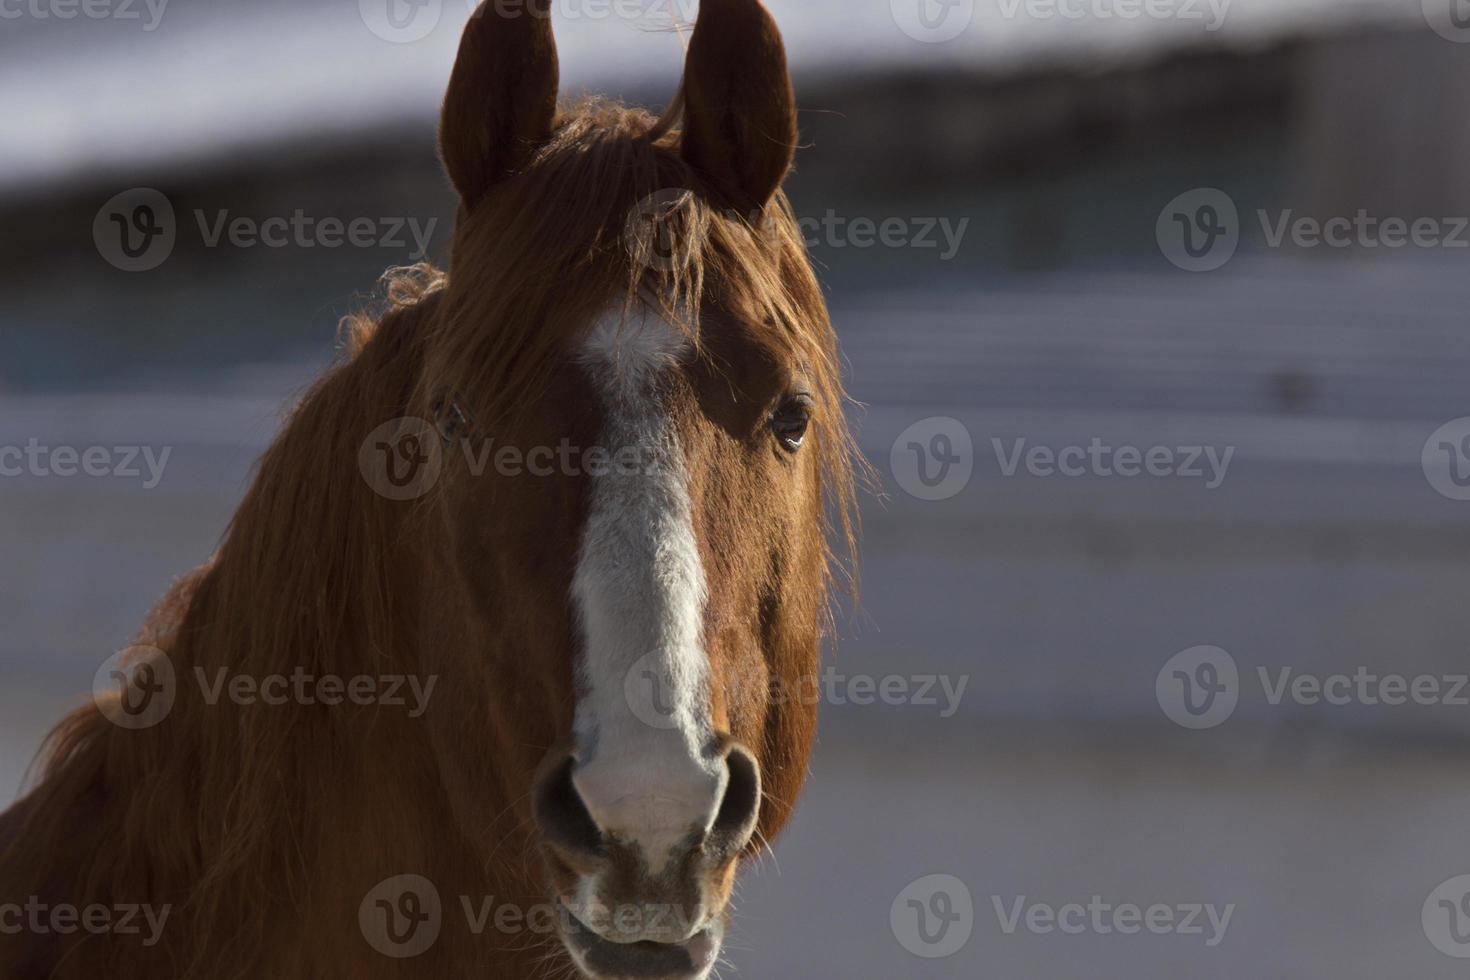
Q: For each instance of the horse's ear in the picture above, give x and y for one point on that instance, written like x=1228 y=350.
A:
x=501 y=103
x=739 y=109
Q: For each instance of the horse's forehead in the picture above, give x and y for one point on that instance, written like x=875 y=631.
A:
x=625 y=350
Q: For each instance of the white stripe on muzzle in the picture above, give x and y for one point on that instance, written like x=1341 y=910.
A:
x=642 y=723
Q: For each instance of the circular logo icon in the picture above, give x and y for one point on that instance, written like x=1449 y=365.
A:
x=649 y=233
x=402 y=459
x=933 y=459
x=1199 y=687
x=651 y=692
x=401 y=21
x=401 y=916
x=135 y=687
x=1199 y=230
x=135 y=231
x=1446 y=917
x=1450 y=19
x=933 y=917
x=933 y=21
x=1446 y=459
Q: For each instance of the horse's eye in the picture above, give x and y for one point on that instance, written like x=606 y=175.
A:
x=790 y=421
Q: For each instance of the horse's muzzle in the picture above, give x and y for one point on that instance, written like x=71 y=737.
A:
x=644 y=960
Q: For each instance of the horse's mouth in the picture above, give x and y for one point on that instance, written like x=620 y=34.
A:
x=602 y=959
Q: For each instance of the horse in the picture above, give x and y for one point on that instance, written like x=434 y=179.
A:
x=588 y=493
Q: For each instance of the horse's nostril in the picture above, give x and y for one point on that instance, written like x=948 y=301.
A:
x=561 y=814
x=735 y=823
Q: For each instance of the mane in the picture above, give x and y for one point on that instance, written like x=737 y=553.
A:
x=309 y=571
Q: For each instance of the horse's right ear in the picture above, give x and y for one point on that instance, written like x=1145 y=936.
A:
x=501 y=104
x=739 y=109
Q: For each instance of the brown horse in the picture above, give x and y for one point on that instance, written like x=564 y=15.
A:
x=584 y=496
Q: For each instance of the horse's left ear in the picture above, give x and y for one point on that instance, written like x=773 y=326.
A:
x=739 y=108
x=501 y=103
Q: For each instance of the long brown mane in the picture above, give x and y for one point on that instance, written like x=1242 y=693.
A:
x=226 y=814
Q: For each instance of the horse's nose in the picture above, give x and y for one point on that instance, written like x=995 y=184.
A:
x=662 y=808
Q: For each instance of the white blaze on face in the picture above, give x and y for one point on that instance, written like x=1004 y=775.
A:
x=642 y=723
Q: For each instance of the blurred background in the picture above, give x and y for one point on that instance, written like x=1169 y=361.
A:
x=1157 y=310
